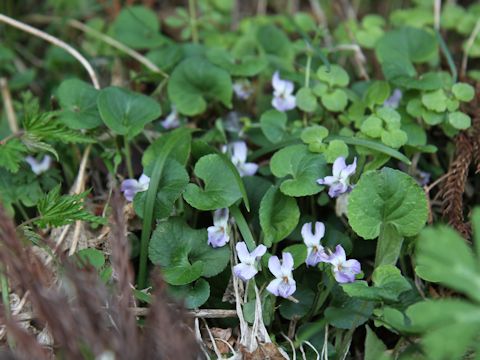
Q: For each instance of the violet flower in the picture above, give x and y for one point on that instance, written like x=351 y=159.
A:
x=130 y=187
x=247 y=268
x=339 y=182
x=344 y=270
x=284 y=285
x=242 y=89
x=238 y=150
x=394 y=100
x=39 y=167
x=218 y=234
x=283 y=100
x=315 y=252
x=172 y=120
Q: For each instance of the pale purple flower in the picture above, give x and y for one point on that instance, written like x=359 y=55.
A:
x=130 y=187
x=315 y=252
x=344 y=270
x=394 y=100
x=247 y=268
x=39 y=167
x=218 y=234
x=339 y=182
x=238 y=150
x=283 y=98
x=172 y=120
x=243 y=89
x=283 y=285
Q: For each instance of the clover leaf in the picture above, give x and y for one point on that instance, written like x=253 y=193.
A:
x=306 y=101
x=220 y=190
x=335 y=76
x=279 y=215
x=304 y=168
x=459 y=120
x=314 y=136
x=126 y=112
x=196 y=81
x=463 y=91
x=184 y=254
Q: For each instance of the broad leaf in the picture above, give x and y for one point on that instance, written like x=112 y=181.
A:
x=273 y=124
x=193 y=295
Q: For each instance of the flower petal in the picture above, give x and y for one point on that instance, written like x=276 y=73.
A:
x=287 y=262
x=244 y=271
x=273 y=286
x=327 y=180
x=242 y=252
x=220 y=217
x=275 y=266
x=339 y=256
x=338 y=166
x=247 y=169
x=349 y=170
x=217 y=236
x=239 y=151
x=259 y=251
x=129 y=185
x=286 y=289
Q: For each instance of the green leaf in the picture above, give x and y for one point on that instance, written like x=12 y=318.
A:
x=387 y=197
x=299 y=254
x=377 y=93
x=459 y=120
x=57 y=210
x=138 y=27
x=335 y=149
x=173 y=181
x=375 y=349
x=181 y=153
x=193 y=295
x=350 y=314
x=388 y=284
x=273 y=124
x=12 y=154
x=126 y=112
x=275 y=42
x=443 y=256
x=372 y=126
x=463 y=91
x=290 y=310
x=246 y=66
x=220 y=190
x=335 y=76
x=194 y=82
x=304 y=168
x=336 y=100
x=394 y=138
x=91 y=256
x=279 y=215
x=78 y=101
x=184 y=253
x=435 y=100
x=305 y=100
x=313 y=136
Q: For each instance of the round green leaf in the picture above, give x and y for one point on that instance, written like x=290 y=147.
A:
x=78 y=101
x=336 y=100
x=193 y=295
x=377 y=93
x=290 y=310
x=245 y=66
x=273 y=124
x=313 y=136
x=372 y=126
x=304 y=168
x=459 y=120
x=126 y=112
x=306 y=101
x=337 y=76
x=394 y=138
x=435 y=100
x=220 y=189
x=279 y=215
x=194 y=82
x=335 y=149
x=387 y=197
x=463 y=91
x=180 y=249
x=138 y=27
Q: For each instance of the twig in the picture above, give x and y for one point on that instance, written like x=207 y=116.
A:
x=294 y=353
x=55 y=41
x=8 y=104
x=200 y=313
x=468 y=46
x=212 y=340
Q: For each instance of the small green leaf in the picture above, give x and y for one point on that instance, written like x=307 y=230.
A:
x=335 y=149
x=195 y=82
x=375 y=349
x=78 y=101
x=12 y=154
x=335 y=101
x=91 y=256
x=459 y=120
x=306 y=101
x=220 y=189
x=279 y=215
x=336 y=76
x=126 y=112
x=193 y=295
x=246 y=66
x=372 y=126
x=463 y=91
x=394 y=138
x=435 y=100
x=273 y=124
x=377 y=93
x=313 y=136
x=304 y=168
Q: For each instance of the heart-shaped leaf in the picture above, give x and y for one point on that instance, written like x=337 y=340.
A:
x=126 y=112
x=273 y=124
x=304 y=168
x=220 y=189
x=196 y=81
x=78 y=101
x=193 y=295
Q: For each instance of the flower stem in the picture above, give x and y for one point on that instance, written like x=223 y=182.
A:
x=193 y=20
x=128 y=157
